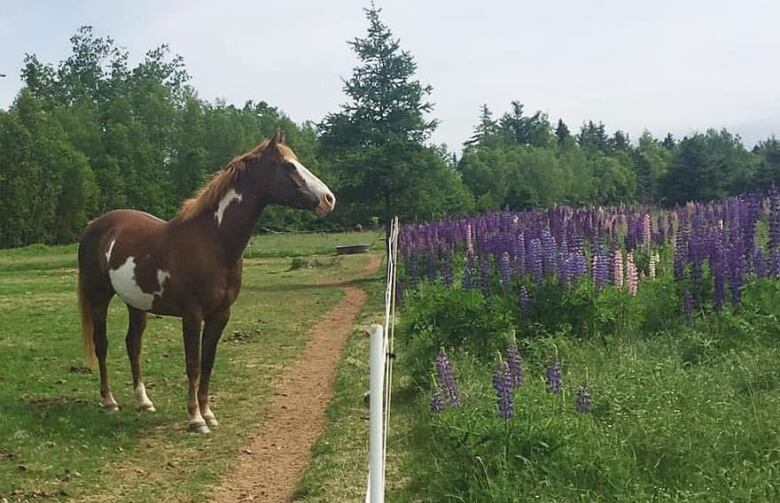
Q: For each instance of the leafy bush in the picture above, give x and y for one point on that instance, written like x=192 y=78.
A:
x=456 y=320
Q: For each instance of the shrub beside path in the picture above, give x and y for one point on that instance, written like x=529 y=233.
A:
x=270 y=467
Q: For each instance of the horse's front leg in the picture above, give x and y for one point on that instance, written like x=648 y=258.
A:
x=191 y=326
x=212 y=331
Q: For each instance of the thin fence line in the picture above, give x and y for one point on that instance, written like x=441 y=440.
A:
x=389 y=334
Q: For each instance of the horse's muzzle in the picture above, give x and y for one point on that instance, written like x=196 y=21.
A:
x=327 y=203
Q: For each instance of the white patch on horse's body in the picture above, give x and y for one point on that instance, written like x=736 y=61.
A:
x=142 y=399
x=124 y=283
x=228 y=198
x=315 y=185
x=108 y=252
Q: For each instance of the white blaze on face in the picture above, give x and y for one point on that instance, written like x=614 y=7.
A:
x=315 y=185
x=125 y=285
x=108 y=253
x=228 y=198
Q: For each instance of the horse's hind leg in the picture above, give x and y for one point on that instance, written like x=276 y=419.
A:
x=99 y=315
x=135 y=332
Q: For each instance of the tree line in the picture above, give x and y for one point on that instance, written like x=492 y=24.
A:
x=92 y=134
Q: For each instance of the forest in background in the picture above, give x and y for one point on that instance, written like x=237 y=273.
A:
x=92 y=133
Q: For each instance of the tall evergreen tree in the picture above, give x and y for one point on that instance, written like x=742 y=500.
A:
x=486 y=130
x=768 y=173
x=562 y=133
x=375 y=143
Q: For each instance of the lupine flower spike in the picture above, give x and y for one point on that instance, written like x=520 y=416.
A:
x=553 y=376
x=502 y=384
x=515 y=363
x=447 y=380
x=584 y=403
x=437 y=399
x=632 y=279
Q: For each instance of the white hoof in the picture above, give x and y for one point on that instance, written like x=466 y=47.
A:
x=196 y=427
x=144 y=404
x=109 y=404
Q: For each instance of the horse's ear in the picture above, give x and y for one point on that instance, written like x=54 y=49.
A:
x=277 y=138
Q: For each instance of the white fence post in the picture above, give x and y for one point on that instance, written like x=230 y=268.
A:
x=376 y=459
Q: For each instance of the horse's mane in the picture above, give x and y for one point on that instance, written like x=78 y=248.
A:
x=223 y=180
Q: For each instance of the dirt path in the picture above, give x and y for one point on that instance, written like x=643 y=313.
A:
x=269 y=469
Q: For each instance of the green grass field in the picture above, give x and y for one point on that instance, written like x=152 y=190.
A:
x=56 y=443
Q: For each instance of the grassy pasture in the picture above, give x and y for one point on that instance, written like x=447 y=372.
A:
x=56 y=443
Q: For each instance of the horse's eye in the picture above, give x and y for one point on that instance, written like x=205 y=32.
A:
x=289 y=167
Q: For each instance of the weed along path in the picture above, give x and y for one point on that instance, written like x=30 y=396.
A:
x=269 y=468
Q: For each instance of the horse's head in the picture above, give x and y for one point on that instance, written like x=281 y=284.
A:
x=282 y=179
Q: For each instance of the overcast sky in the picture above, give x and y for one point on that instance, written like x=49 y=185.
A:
x=660 y=65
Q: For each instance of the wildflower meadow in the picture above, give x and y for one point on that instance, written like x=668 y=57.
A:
x=594 y=354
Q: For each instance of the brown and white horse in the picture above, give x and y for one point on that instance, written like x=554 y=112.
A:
x=189 y=267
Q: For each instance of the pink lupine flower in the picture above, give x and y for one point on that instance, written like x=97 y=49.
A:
x=469 y=241
x=654 y=259
x=617 y=264
x=646 y=230
x=632 y=276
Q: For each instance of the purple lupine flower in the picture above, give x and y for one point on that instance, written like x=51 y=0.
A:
x=504 y=269
x=536 y=260
x=446 y=379
x=774 y=219
x=736 y=272
x=411 y=269
x=580 y=267
x=515 y=362
x=565 y=270
x=759 y=263
x=553 y=376
x=718 y=269
x=430 y=267
x=688 y=306
x=437 y=401
x=774 y=264
x=502 y=384
x=600 y=270
x=681 y=248
x=584 y=403
x=519 y=255
x=548 y=253
x=446 y=269
x=525 y=300
x=484 y=276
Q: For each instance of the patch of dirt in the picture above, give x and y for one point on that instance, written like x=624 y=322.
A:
x=269 y=468
x=311 y=263
x=79 y=370
x=243 y=335
x=8 y=455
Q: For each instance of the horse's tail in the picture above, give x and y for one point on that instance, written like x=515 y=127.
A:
x=87 y=327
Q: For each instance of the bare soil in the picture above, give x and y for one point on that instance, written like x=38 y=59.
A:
x=270 y=467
